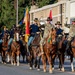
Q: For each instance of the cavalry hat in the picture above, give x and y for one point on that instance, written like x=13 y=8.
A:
x=36 y=19
x=58 y=23
x=48 y=19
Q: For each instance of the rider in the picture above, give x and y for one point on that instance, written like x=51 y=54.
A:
x=34 y=29
x=47 y=30
x=11 y=38
x=59 y=31
x=71 y=35
x=4 y=31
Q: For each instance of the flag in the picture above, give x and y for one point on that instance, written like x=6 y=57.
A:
x=50 y=15
x=22 y=20
x=27 y=23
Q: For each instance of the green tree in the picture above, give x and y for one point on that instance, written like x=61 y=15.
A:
x=7 y=13
x=42 y=3
x=8 y=10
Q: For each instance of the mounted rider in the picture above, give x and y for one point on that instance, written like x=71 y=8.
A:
x=48 y=28
x=59 y=30
x=34 y=29
x=2 y=33
x=71 y=35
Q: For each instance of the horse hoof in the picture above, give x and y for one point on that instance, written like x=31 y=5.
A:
x=53 y=68
x=50 y=71
x=44 y=70
x=38 y=69
x=63 y=69
x=30 y=68
x=17 y=64
x=11 y=63
x=72 y=70
x=4 y=63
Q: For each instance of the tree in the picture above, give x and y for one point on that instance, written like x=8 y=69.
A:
x=42 y=3
x=7 y=13
x=8 y=10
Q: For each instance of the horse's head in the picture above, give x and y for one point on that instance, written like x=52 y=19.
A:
x=5 y=37
x=16 y=35
x=60 y=40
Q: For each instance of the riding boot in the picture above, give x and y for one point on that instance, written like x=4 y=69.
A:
x=41 y=48
x=8 y=48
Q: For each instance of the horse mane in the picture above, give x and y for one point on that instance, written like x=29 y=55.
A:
x=36 y=40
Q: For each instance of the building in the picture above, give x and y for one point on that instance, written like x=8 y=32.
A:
x=62 y=11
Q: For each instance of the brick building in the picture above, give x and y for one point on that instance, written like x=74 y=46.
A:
x=62 y=11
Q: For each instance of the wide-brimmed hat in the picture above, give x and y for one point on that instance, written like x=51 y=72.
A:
x=48 y=19
x=58 y=23
x=36 y=20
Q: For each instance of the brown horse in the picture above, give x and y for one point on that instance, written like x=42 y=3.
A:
x=34 y=49
x=4 y=50
x=49 y=50
x=15 y=49
x=72 y=53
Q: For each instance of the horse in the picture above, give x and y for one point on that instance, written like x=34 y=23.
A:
x=72 y=52
x=49 y=51
x=23 y=49
x=4 y=47
x=15 y=49
x=61 y=48
x=34 y=49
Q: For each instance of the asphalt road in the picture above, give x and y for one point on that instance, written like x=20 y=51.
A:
x=23 y=69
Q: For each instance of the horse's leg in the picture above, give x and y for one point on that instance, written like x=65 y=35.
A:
x=38 y=62
x=50 y=62
x=53 y=61
x=35 y=62
x=44 y=62
x=62 y=62
x=23 y=57
x=8 y=57
x=18 y=53
x=12 y=56
x=5 y=56
x=2 y=54
x=72 y=66
x=59 y=57
x=31 y=62
x=14 y=59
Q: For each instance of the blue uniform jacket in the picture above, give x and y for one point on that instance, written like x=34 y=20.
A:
x=34 y=28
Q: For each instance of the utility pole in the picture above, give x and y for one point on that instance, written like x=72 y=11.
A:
x=17 y=13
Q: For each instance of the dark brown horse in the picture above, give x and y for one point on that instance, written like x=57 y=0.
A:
x=4 y=51
x=15 y=49
x=49 y=50
x=61 y=47
x=34 y=49
x=23 y=49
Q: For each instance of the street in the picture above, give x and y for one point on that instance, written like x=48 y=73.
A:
x=23 y=69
